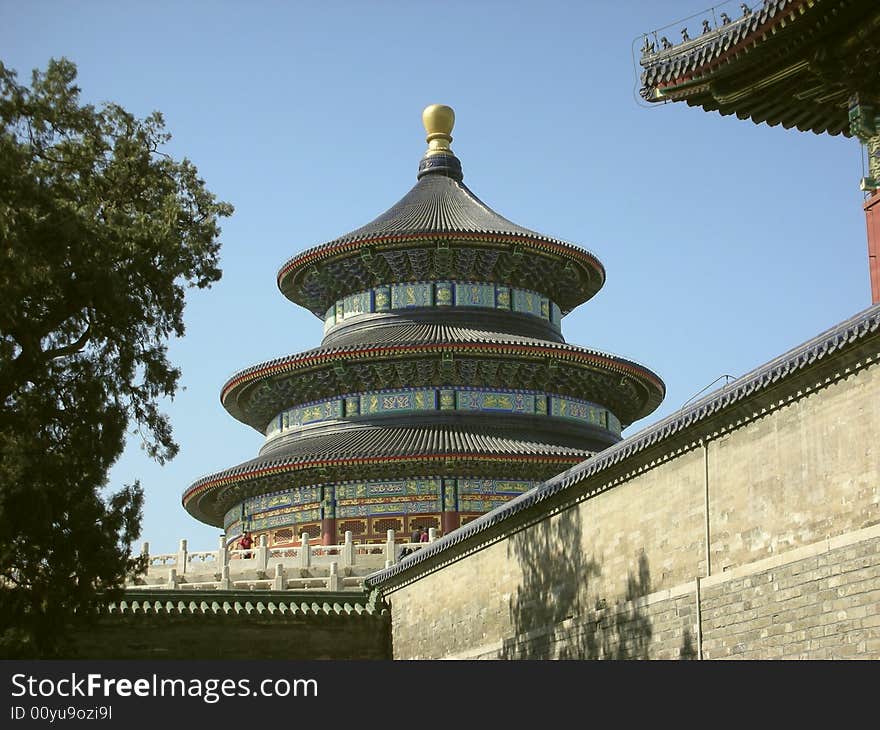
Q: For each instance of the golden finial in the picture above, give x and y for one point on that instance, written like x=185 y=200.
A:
x=438 y=120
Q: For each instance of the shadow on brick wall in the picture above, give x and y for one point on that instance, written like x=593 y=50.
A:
x=551 y=612
x=688 y=650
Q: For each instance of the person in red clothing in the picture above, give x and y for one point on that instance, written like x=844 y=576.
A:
x=424 y=537
x=246 y=543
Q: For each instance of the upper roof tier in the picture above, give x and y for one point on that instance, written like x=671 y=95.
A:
x=440 y=229
x=798 y=63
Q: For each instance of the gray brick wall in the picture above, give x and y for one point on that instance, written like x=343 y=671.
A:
x=793 y=513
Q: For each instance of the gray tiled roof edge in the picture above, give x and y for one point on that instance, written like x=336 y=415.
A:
x=464 y=339
x=284 y=604
x=440 y=206
x=842 y=336
x=374 y=442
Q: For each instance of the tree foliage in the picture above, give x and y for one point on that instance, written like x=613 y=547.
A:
x=101 y=233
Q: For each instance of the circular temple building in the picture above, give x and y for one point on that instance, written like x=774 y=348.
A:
x=443 y=386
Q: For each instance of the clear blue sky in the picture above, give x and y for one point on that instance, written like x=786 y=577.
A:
x=725 y=243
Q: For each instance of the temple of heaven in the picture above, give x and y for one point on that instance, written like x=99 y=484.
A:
x=443 y=386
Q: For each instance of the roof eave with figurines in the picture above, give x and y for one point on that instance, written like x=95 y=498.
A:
x=797 y=63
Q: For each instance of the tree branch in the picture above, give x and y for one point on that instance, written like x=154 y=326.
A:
x=71 y=348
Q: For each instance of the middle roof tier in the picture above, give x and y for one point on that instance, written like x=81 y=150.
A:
x=442 y=356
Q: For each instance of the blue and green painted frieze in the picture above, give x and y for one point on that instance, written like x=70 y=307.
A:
x=387 y=488
x=290 y=498
x=387 y=497
x=278 y=509
x=413 y=400
x=475 y=295
x=578 y=410
x=398 y=401
x=410 y=296
x=360 y=303
x=482 y=495
x=300 y=505
x=308 y=413
x=443 y=294
x=495 y=401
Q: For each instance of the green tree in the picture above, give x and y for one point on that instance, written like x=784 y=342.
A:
x=101 y=233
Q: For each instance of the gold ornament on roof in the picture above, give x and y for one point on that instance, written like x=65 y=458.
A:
x=438 y=120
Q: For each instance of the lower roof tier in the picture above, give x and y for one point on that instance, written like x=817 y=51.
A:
x=372 y=451
x=258 y=394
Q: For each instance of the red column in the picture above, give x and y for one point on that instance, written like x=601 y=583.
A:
x=328 y=531
x=872 y=218
x=449 y=521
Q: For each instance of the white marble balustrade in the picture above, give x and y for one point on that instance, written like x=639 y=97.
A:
x=294 y=567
